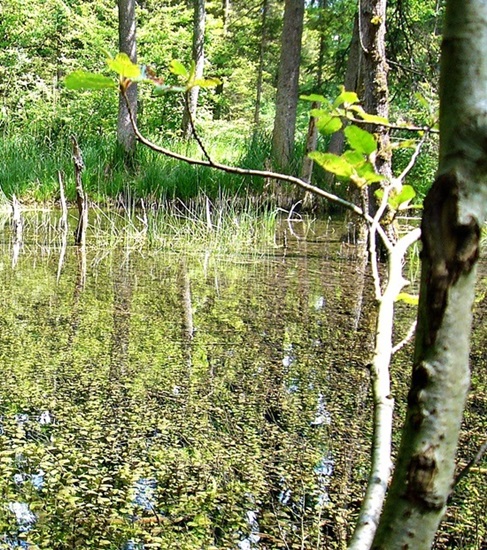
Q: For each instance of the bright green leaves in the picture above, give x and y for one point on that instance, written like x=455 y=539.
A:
x=177 y=68
x=122 y=65
x=83 y=80
x=345 y=98
x=399 y=200
x=360 y=140
x=339 y=166
x=129 y=72
x=357 y=163
x=328 y=125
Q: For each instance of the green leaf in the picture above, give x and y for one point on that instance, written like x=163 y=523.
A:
x=177 y=68
x=333 y=163
x=315 y=98
x=409 y=299
x=360 y=140
x=319 y=113
x=83 y=80
x=356 y=158
x=373 y=119
x=345 y=97
x=403 y=199
x=122 y=65
x=329 y=125
x=368 y=173
x=206 y=82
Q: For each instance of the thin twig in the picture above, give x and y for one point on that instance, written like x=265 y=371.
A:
x=475 y=460
x=406 y=339
x=193 y=129
x=426 y=129
x=413 y=159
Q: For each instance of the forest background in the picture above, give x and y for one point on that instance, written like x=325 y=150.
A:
x=42 y=42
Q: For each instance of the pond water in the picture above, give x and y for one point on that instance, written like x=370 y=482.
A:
x=188 y=399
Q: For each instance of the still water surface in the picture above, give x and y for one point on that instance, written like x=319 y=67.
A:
x=182 y=400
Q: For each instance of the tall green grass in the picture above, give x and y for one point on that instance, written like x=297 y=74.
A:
x=29 y=168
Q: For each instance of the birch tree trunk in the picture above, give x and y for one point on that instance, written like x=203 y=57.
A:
x=454 y=211
x=199 y=61
x=127 y=44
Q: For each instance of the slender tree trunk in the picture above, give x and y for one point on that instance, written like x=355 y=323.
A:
x=127 y=44
x=372 y=30
x=226 y=15
x=454 y=211
x=353 y=82
x=199 y=61
x=287 y=84
x=260 y=70
x=312 y=135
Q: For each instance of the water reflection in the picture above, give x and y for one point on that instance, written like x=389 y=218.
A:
x=151 y=399
x=147 y=395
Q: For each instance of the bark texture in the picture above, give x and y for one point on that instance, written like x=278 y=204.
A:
x=454 y=211
x=199 y=62
x=260 y=69
x=127 y=44
x=287 y=84
x=312 y=135
x=372 y=30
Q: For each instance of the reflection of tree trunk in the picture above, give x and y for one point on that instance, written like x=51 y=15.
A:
x=63 y=372
x=118 y=399
x=122 y=296
x=186 y=302
x=17 y=230
x=63 y=226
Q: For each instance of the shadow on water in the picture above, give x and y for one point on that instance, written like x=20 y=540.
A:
x=153 y=399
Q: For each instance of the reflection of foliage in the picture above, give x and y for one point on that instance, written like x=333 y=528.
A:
x=254 y=415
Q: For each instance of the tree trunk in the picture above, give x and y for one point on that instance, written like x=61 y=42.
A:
x=372 y=30
x=454 y=211
x=353 y=82
x=199 y=61
x=260 y=70
x=127 y=44
x=312 y=136
x=287 y=84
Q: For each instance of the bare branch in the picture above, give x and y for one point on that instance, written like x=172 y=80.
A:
x=412 y=160
x=258 y=173
x=406 y=339
x=475 y=460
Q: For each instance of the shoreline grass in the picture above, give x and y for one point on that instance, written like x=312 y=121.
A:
x=30 y=167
